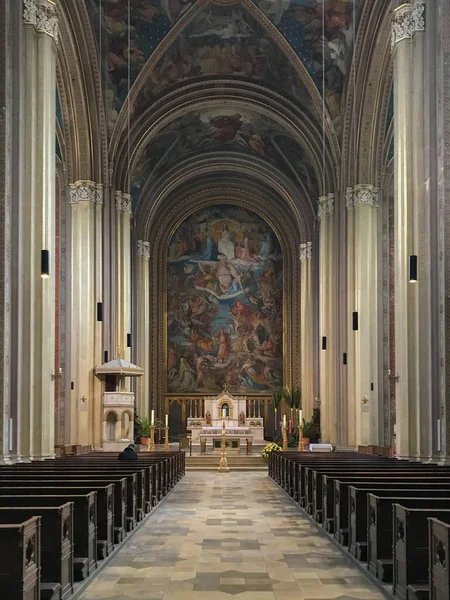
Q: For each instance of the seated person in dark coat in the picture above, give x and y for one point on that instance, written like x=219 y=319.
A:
x=128 y=453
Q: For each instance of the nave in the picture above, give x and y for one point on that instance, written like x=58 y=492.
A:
x=221 y=536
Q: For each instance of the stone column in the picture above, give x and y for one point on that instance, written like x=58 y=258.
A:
x=306 y=329
x=143 y=328
x=327 y=321
x=362 y=337
x=86 y=201
x=123 y=273
x=38 y=230
x=406 y=296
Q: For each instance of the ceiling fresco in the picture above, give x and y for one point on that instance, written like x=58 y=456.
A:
x=225 y=40
x=217 y=130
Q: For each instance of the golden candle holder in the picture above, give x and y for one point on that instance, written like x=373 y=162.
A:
x=166 y=440
x=152 y=438
x=301 y=447
x=285 y=440
x=223 y=465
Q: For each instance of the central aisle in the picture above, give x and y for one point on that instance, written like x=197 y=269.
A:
x=224 y=536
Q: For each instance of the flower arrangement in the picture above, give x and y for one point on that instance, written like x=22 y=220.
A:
x=268 y=448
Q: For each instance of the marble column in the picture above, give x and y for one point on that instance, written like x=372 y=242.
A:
x=38 y=230
x=143 y=328
x=406 y=293
x=86 y=201
x=306 y=329
x=362 y=336
x=123 y=273
x=327 y=320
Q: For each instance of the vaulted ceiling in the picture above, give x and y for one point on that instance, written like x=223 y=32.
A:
x=208 y=78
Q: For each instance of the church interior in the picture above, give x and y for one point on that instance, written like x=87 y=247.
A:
x=225 y=245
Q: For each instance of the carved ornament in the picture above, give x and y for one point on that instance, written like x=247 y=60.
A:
x=86 y=191
x=305 y=251
x=143 y=248
x=362 y=194
x=42 y=15
x=123 y=202
x=326 y=206
x=408 y=20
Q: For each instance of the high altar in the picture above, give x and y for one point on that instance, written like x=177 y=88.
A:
x=231 y=411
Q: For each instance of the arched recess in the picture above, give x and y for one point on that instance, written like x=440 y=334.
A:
x=159 y=226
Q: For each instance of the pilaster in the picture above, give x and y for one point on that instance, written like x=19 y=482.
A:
x=123 y=271
x=306 y=329
x=143 y=328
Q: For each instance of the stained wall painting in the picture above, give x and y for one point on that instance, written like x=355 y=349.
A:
x=233 y=129
x=224 y=304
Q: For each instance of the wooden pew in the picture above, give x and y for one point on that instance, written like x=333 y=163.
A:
x=105 y=503
x=20 y=564
x=358 y=492
x=380 y=532
x=438 y=559
x=56 y=545
x=84 y=518
x=410 y=548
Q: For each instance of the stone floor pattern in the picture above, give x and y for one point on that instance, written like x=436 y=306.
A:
x=229 y=536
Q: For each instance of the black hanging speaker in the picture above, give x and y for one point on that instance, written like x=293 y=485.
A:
x=412 y=268
x=371 y=387
x=355 y=321
x=324 y=343
x=344 y=358
x=99 y=311
x=128 y=340
x=45 y=264
x=105 y=356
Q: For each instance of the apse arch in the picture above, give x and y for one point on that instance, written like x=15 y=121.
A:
x=158 y=231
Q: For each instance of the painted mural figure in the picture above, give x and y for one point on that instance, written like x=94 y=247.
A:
x=224 y=319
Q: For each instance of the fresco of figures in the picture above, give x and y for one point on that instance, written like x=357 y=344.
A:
x=224 y=304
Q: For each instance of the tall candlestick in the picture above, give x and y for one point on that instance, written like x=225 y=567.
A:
x=167 y=420
x=152 y=422
x=300 y=416
x=284 y=420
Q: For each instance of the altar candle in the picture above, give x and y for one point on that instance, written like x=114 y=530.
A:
x=284 y=420
x=167 y=421
x=152 y=420
x=300 y=417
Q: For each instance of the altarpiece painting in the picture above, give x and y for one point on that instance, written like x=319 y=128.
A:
x=224 y=304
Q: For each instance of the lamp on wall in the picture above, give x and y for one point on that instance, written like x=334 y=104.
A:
x=412 y=268
x=324 y=343
x=45 y=264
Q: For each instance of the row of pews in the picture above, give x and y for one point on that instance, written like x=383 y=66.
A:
x=392 y=516
x=60 y=518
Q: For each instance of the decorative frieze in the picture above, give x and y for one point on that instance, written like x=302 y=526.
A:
x=326 y=206
x=123 y=202
x=86 y=191
x=408 y=19
x=143 y=248
x=305 y=251
x=362 y=194
x=42 y=15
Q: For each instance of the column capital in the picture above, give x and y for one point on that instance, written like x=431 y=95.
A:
x=305 y=251
x=408 y=19
x=123 y=202
x=86 y=191
x=326 y=206
x=42 y=14
x=143 y=249
x=363 y=193
x=418 y=15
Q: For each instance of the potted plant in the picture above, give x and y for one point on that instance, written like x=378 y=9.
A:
x=144 y=424
x=308 y=430
x=277 y=395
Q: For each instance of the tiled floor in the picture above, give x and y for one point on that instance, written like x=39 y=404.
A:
x=225 y=536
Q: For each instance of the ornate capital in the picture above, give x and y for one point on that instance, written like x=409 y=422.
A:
x=305 y=250
x=123 y=202
x=326 y=206
x=402 y=23
x=363 y=193
x=418 y=16
x=143 y=248
x=86 y=191
x=42 y=15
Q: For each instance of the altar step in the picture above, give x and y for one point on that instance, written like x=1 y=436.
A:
x=210 y=462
